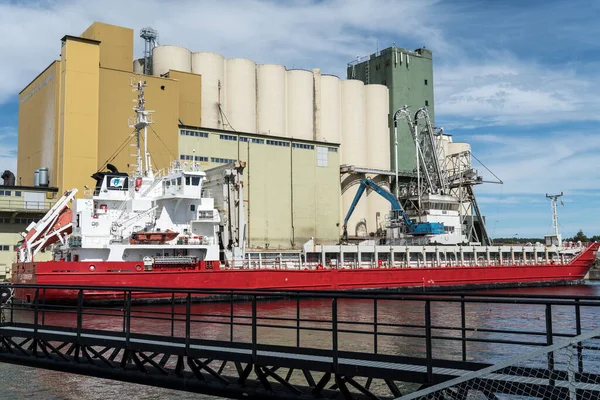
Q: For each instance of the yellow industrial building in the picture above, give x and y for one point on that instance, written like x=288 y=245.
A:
x=73 y=120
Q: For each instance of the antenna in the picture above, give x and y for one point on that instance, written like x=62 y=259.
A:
x=150 y=37
x=553 y=199
x=140 y=122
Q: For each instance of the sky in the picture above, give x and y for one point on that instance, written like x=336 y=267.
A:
x=518 y=80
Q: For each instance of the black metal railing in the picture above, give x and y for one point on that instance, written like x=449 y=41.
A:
x=380 y=325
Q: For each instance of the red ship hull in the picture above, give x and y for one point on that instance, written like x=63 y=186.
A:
x=202 y=276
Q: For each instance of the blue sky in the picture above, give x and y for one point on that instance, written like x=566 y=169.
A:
x=518 y=80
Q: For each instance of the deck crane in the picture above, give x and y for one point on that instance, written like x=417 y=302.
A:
x=422 y=228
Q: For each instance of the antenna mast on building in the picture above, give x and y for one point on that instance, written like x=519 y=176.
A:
x=553 y=199
x=150 y=37
x=140 y=122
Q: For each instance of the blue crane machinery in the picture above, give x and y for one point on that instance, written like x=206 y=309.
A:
x=420 y=228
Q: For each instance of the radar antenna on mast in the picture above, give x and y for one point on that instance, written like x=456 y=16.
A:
x=553 y=199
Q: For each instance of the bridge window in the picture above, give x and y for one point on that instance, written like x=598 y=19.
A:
x=195 y=180
x=228 y=137
x=5 y=248
x=187 y=180
x=193 y=207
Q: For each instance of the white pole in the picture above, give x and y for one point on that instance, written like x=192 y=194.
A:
x=418 y=170
x=396 y=153
x=146 y=158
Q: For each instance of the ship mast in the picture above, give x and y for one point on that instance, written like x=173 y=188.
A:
x=553 y=199
x=140 y=123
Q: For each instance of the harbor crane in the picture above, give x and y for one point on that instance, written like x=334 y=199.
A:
x=398 y=214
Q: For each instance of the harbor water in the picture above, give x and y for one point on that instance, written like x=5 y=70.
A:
x=18 y=382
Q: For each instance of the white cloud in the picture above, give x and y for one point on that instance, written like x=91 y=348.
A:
x=551 y=161
x=508 y=91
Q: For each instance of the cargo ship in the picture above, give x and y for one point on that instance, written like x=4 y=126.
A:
x=163 y=230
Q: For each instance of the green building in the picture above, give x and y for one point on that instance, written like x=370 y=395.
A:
x=409 y=77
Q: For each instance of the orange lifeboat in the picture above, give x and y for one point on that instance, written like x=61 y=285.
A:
x=63 y=220
x=152 y=237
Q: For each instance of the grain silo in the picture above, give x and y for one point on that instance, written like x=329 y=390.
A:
x=270 y=99
x=300 y=104
x=165 y=58
x=212 y=68
x=378 y=151
x=240 y=95
x=330 y=130
x=138 y=66
x=353 y=146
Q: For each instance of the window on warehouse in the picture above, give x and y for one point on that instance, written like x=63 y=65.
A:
x=322 y=156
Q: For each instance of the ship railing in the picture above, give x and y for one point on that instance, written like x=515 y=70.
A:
x=386 y=263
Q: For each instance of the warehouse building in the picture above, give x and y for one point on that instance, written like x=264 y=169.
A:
x=294 y=128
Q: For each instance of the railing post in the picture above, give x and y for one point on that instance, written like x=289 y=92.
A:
x=254 y=329
x=375 y=326
x=231 y=317
x=12 y=309
x=35 y=319
x=172 y=314
x=79 y=312
x=44 y=307
x=128 y=319
x=124 y=311
x=578 y=332
x=463 y=326
x=334 y=332
x=428 y=341
x=297 y=321
x=188 y=322
x=549 y=340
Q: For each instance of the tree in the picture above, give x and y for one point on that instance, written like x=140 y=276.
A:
x=580 y=237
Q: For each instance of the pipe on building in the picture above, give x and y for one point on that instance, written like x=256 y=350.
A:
x=293 y=239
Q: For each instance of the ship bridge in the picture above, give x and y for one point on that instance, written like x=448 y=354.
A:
x=184 y=181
